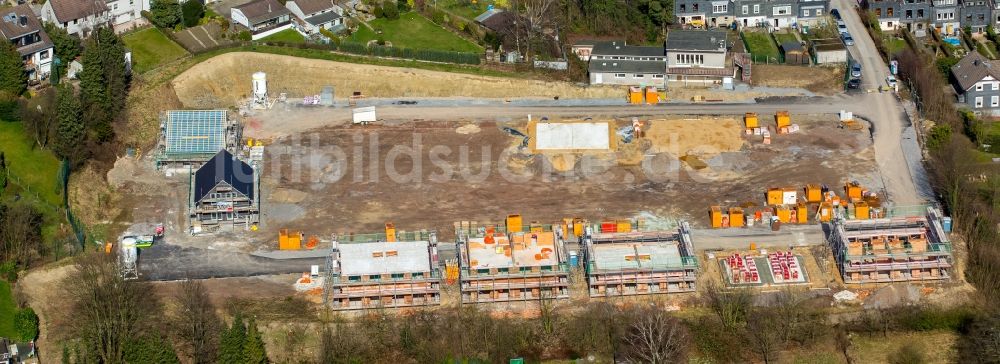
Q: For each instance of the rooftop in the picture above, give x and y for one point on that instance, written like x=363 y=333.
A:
x=314 y=6
x=619 y=48
x=20 y=21
x=973 y=68
x=646 y=255
x=224 y=167
x=195 y=131
x=323 y=18
x=828 y=44
x=696 y=40
x=69 y=10
x=378 y=258
x=603 y=65
x=258 y=11
x=524 y=250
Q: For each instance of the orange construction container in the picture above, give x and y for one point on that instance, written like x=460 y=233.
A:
x=390 y=232
x=825 y=212
x=535 y=227
x=802 y=213
x=609 y=227
x=862 y=211
x=578 y=225
x=652 y=96
x=624 y=226
x=715 y=215
x=289 y=240
x=750 y=120
x=783 y=213
x=775 y=196
x=634 y=95
x=107 y=248
x=814 y=193
x=782 y=119
x=514 y=223
x=853 y=191
x=736 y=218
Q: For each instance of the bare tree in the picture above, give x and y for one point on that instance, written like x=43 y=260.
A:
x=762 y=333
x=196 y=322
x=106 y=309
x=655 y=337
x=730 y=305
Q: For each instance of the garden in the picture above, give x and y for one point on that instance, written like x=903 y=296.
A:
x=151 y=48
x=761 y=47
x=412 y=30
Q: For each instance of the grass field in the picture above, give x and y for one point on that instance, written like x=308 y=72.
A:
x=414 y=31
x=7 y=311
x=150 y=48
x=465 y=9
x=761 y=46
x=785 y=37
x=287 y=36
x=36 y=169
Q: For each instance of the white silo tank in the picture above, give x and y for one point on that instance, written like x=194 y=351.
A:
x=260 y=85
x=128 y=254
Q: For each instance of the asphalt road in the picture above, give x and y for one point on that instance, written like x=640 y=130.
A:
x=883 y=110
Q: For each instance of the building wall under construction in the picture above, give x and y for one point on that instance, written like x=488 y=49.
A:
x=355 y=293
x=534 y=283
x=892 y=250
x=639 y=263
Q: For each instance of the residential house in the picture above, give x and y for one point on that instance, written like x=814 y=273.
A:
x=78 y=17
x=751 y=13
x=945 y=16
x=887 y=12
x=976 y=14
x=915 y=15
x=24 y=30
x=128 y=13
x=317 y=14
x=17 y=353
x=812 y=12
x=262 y=17
x=697 y=56
x=582 y=49
x=616 y=63
x=705 y=13
x=977 y=83
x=224 y=193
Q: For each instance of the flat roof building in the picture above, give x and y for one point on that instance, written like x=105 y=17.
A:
x=384 y=271
x=640 y=262
x=191 y=137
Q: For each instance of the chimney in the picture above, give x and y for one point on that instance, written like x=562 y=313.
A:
x=24 y=21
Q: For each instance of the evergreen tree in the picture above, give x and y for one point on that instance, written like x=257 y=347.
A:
x=70 y=129
x=67 y=46
x=145 y=349
x=231 y=344
x=13 y=79
x=103 y=82
x=3 y=171
x=65 y=355
x=165 y=13
x=192 y=11
x=253 y=347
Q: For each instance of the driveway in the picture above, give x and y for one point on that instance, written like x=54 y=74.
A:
x=884 y=111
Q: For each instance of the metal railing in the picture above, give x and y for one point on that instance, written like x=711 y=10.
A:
x=685 y=263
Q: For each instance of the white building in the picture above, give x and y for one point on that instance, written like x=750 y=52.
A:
x=316 y=14
x=76 y=16
x=262 y=17
x=124 y=12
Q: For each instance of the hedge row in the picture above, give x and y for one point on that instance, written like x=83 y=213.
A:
x=395 y=52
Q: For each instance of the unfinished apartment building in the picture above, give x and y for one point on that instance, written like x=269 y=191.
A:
x=515 y=265
x=892 y=250
x=383 y=271
x=640 y=262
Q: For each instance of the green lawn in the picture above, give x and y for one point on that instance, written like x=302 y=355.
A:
x=465 y=8
x=415 y=32
x=150 y=48
x=287 y=36
x=36 y=169
x=761 y=46
x=785 y=37
x=7 y=311
x=894 y=44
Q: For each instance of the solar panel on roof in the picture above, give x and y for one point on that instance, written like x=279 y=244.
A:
x=195 y=131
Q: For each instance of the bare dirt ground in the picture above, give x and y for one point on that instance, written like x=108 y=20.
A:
x=821 y=79
x=448 y=181
x=45 y=294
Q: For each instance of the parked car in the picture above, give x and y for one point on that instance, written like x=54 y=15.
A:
x=890 y=80
x=836 y=14
x=856 y=70
x=848 y=40
x=854 y=84
x=841 y=26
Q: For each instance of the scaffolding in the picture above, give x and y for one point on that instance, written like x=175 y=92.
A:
x=901 y=249
x=390 y=273
x=499 y=267
x=191 y=137
x=640 y=262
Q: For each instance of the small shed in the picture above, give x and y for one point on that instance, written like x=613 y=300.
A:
x=829 y=50
x=794 y=53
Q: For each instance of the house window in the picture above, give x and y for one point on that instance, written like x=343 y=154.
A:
x=44 y=55
x=979 y=102
x=746 y=9
x=657 y=76
x=695 y=6
x=996 y=86
x=683 y=8
x=720 y=8
x=805 y=12
x=637 y=75
x=982 y=17
x=756 y=8
x=888 y=13
x=619 y=75
x=994 y=101
x=782 y=10
x=878 y=12
x=909 y=14
x=979 y=87
x=920 y=13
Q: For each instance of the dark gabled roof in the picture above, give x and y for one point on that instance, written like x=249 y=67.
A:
x=595 y=43
x=791 y=46
x=973 y=68
x=313 y=6
x=261 y=10
x=499 y=21
x=606 y=66
x=10 y=28
x=69 y=10
x=323 y=18
x=223 y=167
x=616 y=48
x=696 y=40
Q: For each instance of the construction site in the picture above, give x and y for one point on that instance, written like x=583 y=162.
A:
x=913 y=248
x=623 y=259
x=512 y=262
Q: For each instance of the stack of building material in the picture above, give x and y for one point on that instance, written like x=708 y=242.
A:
x=784 y=267
x=742 y=269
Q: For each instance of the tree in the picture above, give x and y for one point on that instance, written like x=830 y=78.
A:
x=253 y=347
x=3 y=172
x=326 y=354
x=13 y=78
x=909 y=353
x=655 y=337
x=150 y=349
x=730 y=306
x=982 y=342
x=107 y=311
x=165 y=13
x=196 y=323
x=20 y=233
x=67 y=47
x=231 y=344
x=762 y=333
x=103 y=82
x=193 y=11
x=26 y=324
x=38 y=115
x=70 y=128
x=391 y=11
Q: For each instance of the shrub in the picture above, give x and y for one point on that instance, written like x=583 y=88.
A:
x=244 y=36
x=26 y=324
x=378 y=11
x=938 y=136
x=390 y=11
x=909 y=353
x=193 y=12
